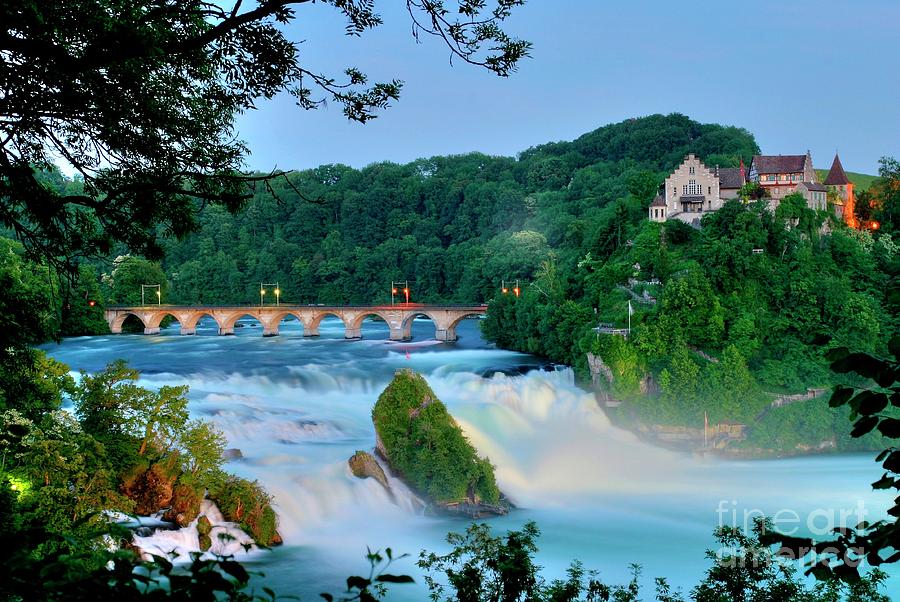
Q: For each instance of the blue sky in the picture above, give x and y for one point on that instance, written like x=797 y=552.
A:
x=799 y=74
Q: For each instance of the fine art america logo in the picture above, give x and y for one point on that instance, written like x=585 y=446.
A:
x=819 y=524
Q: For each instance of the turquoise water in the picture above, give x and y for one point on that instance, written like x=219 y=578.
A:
x=298 y=408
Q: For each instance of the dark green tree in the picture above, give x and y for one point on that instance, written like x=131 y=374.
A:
x=140 y=98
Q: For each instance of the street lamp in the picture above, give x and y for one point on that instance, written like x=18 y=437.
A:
x=263 y=290
x=395 y=284
x=504 y=288
x=158 y=291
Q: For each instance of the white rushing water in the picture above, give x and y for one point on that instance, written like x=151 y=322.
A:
x=298 y=409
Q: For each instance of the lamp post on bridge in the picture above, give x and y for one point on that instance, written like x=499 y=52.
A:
x=394 y=290
x=158 y=291
x=504 y=288
x=263 y=290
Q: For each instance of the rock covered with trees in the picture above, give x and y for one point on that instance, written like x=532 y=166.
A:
x=424 y=446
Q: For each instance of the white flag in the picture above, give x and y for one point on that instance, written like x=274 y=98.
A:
x=630 y=310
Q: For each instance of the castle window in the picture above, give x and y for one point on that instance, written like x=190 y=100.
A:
x=692 y=188
x=691 y=170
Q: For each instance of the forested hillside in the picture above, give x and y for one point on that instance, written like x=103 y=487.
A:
x=724 y=318
x=453 y=226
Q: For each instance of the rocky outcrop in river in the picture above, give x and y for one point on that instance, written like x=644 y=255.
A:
x=424 y=446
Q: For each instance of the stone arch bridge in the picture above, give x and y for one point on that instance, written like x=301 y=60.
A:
x=399 y=318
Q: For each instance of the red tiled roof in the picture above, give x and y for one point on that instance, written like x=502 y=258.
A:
x=836 y=175
x=659 y=201
x=768 y=164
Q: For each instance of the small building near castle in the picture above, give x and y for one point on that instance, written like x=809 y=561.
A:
x=779 y=175
x=816 y=195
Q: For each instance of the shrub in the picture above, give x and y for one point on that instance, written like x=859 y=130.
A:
x=246 y=503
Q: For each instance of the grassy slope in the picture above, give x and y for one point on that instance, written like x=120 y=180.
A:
x=861 y=180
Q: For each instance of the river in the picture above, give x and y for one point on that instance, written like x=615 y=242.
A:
x=298 y=408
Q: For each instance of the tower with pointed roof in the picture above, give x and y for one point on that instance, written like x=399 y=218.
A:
x=842 y=189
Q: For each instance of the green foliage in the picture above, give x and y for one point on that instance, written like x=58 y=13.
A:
x=149 y=127
x=246 y=503
x=482 y=567
x=32 y=382
x=202 y=446
x=724 y=317
x=124 y=284
x=425 y=445
x=114 y=408
x=82 y=312
x=873 y=403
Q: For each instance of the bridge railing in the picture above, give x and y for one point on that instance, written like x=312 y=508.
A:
x=305 y=306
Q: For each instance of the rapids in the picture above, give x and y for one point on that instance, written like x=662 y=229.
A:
x=298 y=408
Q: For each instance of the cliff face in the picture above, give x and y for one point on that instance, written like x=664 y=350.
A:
x=425 y=447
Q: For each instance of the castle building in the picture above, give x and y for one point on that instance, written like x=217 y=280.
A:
x=694 y=189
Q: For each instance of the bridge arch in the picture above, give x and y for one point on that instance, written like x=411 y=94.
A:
x=451 y=328
x=354 y=328
x=317 y=318
x=189 y=325
x=155 y=319
x=273 y=325
x=118 y=320
x=406 y=326
x=226 y=325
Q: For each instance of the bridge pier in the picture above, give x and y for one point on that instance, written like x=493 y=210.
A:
x=151 y=330
x=399 y=334
x=447 y=335
x=269 y=331
x=188 y=330
x=352 y=333
x=226 y=330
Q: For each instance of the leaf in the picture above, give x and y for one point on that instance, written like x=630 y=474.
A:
x=863 y=426
x=887 y=376
x=859 y=399
x=889 y=427
x=873 y=404
x=892 y=462
x=884 y=482
x=235 y=570
x=841 y=395
x=838 y=353
x=387 y=578
x=357 y=582
x=861 y=363
x=894 y=346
